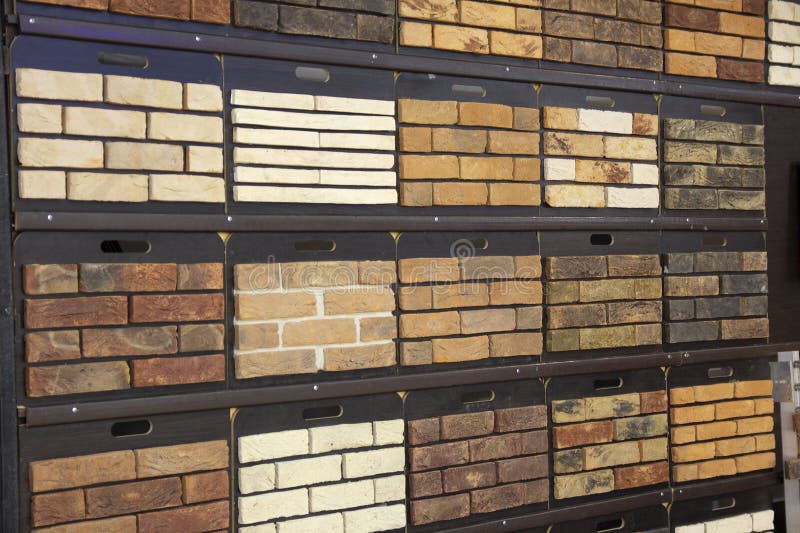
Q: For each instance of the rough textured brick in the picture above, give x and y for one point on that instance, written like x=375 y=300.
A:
x=520 y=418
x=127 y=277
x=70 y=472
x=437 y=456
x=133 y=497
x=57 y=507
x=207 y=516
x=494 y=447
x=582 y=434
x=467 y=425
x=77 y=378
x=584 y=484
x=169 y=460
x=440 y=509
x=205 y=487
x=469 y=477
x=177 y=370
x=641 y=475
x=177 y=308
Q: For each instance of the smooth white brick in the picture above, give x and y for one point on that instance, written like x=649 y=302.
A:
x=302 y=195
x=734 y=524
x=208 y=159
x=357 y=141
x=202 y=97
x=53 y=85
x=175 y=127
x=98 y=187
x=312 y=121
x=43 y=184
x=311 y=158
x=60 y=153
x=256 y=478
x=308 y=471
x=390 y=489
x=340 y=437
x=373 y=462
x=383 y=518
x=779 y=53
x=784 y=33
x=276 y=445
x=342 y=496
x=126 y=90
x=784 y=76
x=272 y=505
x=764 y=520
x=260 y=528
x=186 y=188
x=605 y=121
x=144 y=156
x=645 y=174
x=559 y=169
x=356 y=177
x=327 y=523
x=780 y=10
x=276 y=175
x=241 y=97
x=39 y=118
x=104 y=122
x=348 y=105
x=388 y=432
x=271 y=137
x=693 y=528
x=632 y=198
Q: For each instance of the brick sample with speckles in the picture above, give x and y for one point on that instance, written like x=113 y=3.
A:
x=784 y=43
x=165 y=473
x=326 y=466
x=469 y=299
x=609 y=433
x=476 y=450
x=101 y=319
x=721 y=420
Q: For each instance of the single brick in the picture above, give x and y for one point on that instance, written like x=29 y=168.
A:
x=520 y=418
x=133 y=497
x=715 y=430
x=372 y=462
x=57 y=507
x=747 y=389
x=203 y=517
x=52 y=346
x=469 y=477
x=641 y=475
x=612 y=406
x=159 y=372
x=758 y=461
x=467 y=425
x=50 y=279
x=583 y=484
x=496 y=498
x=308 y=471
x=425 y=484
x=653 y=402
x=125 y=90
x=494 y=447
x=177 y=308
x=205 y=487
x=440 y=509
x=692 y=415
x=653 y=449
x=341 y=495
x=640 y=427
x=522 y=468
x=201 y=337
x=439 y=455
x=182 y=458
x=693 y=452
x=108 y=342
x=77 y=378
x=582 y=434
x=51 y=85
x=70 y=472
x=275 y=445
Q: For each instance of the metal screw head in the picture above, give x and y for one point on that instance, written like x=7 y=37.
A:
x=197 y=38
x=374 y=56
x=74 y=410
x=230 y=219
x=50 y=218
x=508 y=69
x=436 y=219
x=505 y=522
x=32 y=20
x=316 y=387
x=518 y=371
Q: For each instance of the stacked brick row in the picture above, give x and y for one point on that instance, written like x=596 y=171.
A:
x=744 y=523
x=208 y=11
x=784 y=43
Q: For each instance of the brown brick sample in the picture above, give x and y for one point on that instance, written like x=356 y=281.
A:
x=123 y=327
x=604 y=438
x=722 y=40
x=209 y=11
x=458 y=149
x=488 y=455
x=721 y=426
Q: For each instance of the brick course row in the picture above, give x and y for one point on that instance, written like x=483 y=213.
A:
x=208 y=11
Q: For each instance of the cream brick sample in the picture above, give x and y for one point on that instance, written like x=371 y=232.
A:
x=626 y=197
x=39 y=118
x=340 y=437
x=308 y=471
x=357 y=177
x=296 y=138
x=52 y=85
x=375 y=519
x=256 y=478
x=373 y=462
x=347 y=105
x=388 y=432
x=202 y=97
x=389 y=489
x=60 y=153
x=594 y=120
x=734 y=524
x=764 y=520
x=240 y=97
x=99 y=187
x=559 y=169
x=342 y=495
x=276 y=175
x=273 y=445
x=314 y=196
x=186 y=188
x=95 y=122
x=144 y=156
x=125 y=90
x=311 y=158
x=181 y=127
x=204 y=159
x=271 y=505
x=645 y=174
x=42 y=184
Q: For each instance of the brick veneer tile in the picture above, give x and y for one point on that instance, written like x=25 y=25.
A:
x=784 y=43
x=211 y=11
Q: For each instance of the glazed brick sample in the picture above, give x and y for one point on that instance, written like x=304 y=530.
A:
x=721 y=426
x=94 y=326
x=746 y=523
x=722 y=40
x=714 y=295
x=208 y=11
x=473 y=26
x=363 y=20
x=476 y=450
x=305 y=142
x=303 y=466
x=713 y=165
x=313 y=312
x=468 y=298
x=166 y=476
x=595 y=157
x=610 y=33
x=462 y=150
x=90 y=136
x=609 y=433
x=784 y=43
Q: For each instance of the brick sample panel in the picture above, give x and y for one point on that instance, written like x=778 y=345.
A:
x=723 y=40
x=600 y=150
x=476 y=453
x=116 y=127
x=713 y=157
x=743 y=512
x=610 y=33
x=715 y=285
x=161 y=473
x=784 y=43
x=468 y=143
x=722 y=420
x=100 y=320
x=207 y=11
x=312 y=306
x=653 y=519
x=321 y=466
x=601 y=298
x=469 y=299
x=498 y=28
x=362 y=20
x=305 y=137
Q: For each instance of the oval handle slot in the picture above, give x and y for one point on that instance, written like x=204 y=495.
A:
x=122 y=60
x=608 y=383
x=318 y=245
x=131 y=428
x=478 y=396
x=717 y=241
x=472 y=91
x=713 y=110
x=321 y=413
x=607 y=526
x=720 y=372
x=313 y=74
x=601 y=101
x=125 y=247
x=601 y=239
x=723 y=503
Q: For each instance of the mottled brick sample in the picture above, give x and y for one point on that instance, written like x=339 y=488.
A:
x=784 y=43
x=209 y=11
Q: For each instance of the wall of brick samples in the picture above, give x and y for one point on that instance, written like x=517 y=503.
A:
x=255 y=378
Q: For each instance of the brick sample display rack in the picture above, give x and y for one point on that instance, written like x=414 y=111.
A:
x=276 y=266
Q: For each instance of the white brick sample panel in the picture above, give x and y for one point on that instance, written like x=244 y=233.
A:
x=783 y=31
